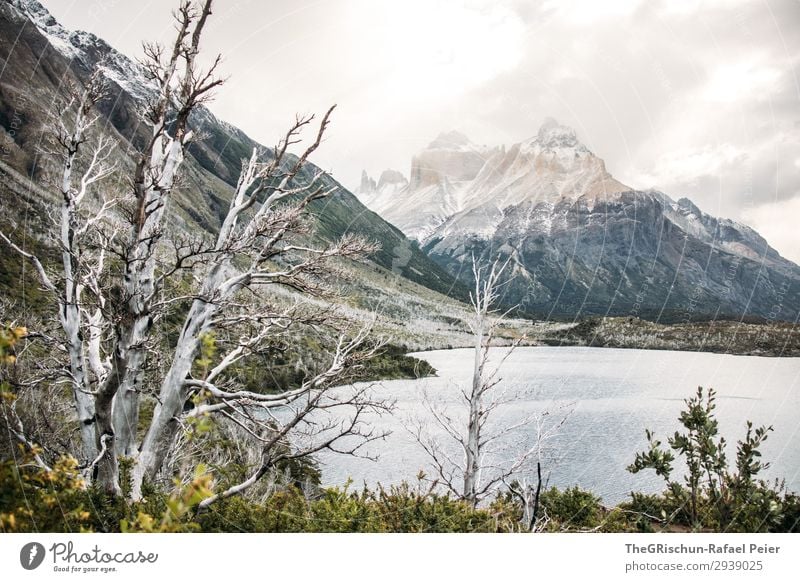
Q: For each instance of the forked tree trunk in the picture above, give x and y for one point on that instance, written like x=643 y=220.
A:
x=106 y=470
x=172 y=396
x=126 y=399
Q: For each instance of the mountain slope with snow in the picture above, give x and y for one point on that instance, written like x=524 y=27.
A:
x=466 y=186
x=439 y=176
x=581 y=242
x=40 y=56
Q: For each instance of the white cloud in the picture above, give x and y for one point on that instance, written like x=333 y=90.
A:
x=777 y=222
x=669 y=8
x=426 y=49
x=591 y=12
x=686 y=164
x=732 y=83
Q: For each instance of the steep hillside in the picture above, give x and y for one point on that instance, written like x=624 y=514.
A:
x=40 y=57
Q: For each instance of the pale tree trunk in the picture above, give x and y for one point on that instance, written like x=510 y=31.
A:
x=106 y=475
x=107 y=394
x=217 y=288
x=83 y=332
x=529 y=500
x=164 y=426
x=474 y=476
x=221 y=284
x=71 y=324
x=70 y=299
x=122 y=387
x=126 y=420
x=472 y=448
x=133 y=338
x=153 y=182
x=84 y=402
x=101 y=408
x=139 y=285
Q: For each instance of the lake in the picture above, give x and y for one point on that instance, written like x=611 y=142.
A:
x=606 y=397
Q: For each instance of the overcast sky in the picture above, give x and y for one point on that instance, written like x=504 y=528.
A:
x=697 y=99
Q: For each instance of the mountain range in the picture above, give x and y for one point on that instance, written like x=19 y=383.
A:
x=580 y=241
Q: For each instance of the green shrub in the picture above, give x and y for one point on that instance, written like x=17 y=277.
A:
x=404 y=509
x=791 y=514
x=713 y=496
x=36 y=500
x=393 y=363
x=648 y=510
x=397 y=509
x=178 y=514
x=572 y=508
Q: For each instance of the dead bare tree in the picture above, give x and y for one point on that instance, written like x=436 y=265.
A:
x=181 y=88
x=472 y=469
x=81 y=319
x=108 y=312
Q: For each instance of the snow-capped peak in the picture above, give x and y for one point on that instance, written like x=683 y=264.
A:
x=453 y=181
x=375 y=195
x=60 y=38
x=88 y=49
x=559 y=143
x=391 y=178
x=451 y=140
x=554 y=135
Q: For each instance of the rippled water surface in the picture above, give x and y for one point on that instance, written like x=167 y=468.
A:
x=610 y=396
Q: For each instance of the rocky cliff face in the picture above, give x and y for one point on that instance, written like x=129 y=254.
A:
x=630 y=255
x=451 y=158
x=370 y=192
x=438 y=176
x=581 y=242
x=463 y=185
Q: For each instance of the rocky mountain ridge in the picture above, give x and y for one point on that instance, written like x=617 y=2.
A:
x=40 y=56
x=582 y=242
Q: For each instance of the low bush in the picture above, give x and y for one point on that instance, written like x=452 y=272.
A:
x=572 y=509
x=713 y=496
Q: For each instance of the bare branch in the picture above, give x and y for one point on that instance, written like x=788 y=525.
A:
x=43 y=277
